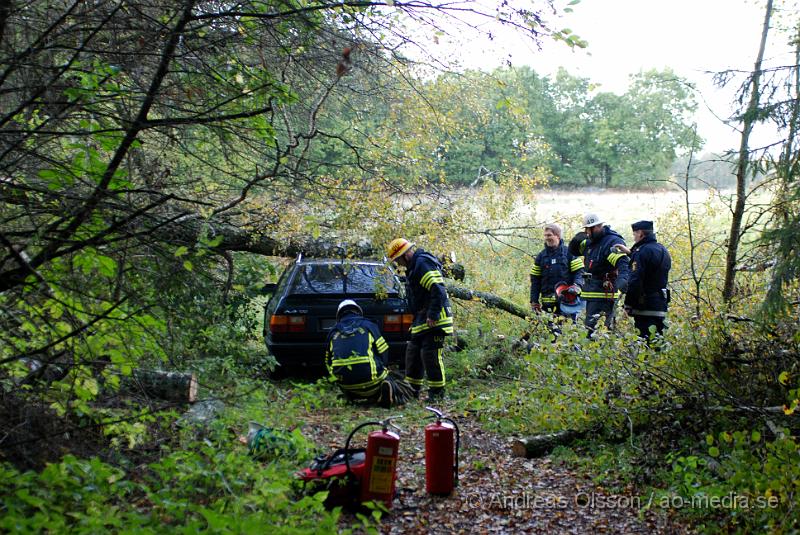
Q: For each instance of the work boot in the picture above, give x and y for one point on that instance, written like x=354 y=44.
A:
x=436 y=394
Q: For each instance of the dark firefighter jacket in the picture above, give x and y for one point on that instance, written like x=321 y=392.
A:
x=427 y=295
x=647 y=289
x=357 y=355
x=608 y=269
x=551 y=266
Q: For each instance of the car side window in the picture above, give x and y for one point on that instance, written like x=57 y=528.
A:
x=283 y=280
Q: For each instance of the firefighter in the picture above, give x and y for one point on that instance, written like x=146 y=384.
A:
x=357 y=357
x=606 y=269
x=648 y=297
x=433 y=317
x=552 y=266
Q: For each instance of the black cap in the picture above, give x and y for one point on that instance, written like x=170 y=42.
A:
x=643 y=225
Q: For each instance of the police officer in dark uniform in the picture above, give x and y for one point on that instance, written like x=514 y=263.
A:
x=553 y=265
x=433 y=317
x=607 y=269
x=648 y=296
x=357 y=357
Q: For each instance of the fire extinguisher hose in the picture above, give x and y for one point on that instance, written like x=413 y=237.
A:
x=458 y=443
x=347 y=444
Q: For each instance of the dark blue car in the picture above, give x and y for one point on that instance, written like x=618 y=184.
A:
x=302 y=309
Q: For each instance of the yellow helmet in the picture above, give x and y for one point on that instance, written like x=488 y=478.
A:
x=397 y=248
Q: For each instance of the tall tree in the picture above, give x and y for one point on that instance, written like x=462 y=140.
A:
x=142 y=142
x=749 y=118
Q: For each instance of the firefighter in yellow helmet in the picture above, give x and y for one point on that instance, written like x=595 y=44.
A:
x=433 y=316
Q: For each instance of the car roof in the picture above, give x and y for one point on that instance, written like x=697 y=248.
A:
x=321 y=261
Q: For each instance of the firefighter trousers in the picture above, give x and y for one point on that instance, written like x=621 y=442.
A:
x=596 y=307
x=553 y=324
x=424 y=358
x=643 y=324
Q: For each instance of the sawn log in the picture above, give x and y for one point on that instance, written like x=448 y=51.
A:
x=169 y=386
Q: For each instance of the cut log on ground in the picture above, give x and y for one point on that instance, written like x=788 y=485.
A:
x=488 y=299
x=169 y=386
x=540 y=445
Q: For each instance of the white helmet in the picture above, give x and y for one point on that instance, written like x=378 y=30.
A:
x=591 y=219
x=348 y=303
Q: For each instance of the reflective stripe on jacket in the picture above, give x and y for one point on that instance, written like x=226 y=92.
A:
x=551 y=266
x=357 y=355
x=604 y=264
x=427 y=295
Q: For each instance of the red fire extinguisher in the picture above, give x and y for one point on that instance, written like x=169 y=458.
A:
x=380 y=466
x=441 y=459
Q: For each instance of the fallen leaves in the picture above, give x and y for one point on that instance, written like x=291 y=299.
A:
x=498 y=493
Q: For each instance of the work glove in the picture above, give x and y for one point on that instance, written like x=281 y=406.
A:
x=536 y=307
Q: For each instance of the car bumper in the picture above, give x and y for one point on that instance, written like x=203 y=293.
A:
x=312 y=355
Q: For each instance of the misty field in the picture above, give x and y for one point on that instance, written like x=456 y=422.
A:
x=618 y=208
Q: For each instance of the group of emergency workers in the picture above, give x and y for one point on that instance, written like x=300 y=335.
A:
x=595 y=269
x=598 y=268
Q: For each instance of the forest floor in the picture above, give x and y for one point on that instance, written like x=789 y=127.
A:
x=497 y=492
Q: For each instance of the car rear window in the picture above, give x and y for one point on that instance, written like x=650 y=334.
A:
x=344 y=279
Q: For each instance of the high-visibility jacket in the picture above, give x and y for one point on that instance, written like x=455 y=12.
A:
x=608 y=268
x=357 y=355
x=427 y=295
x=551 y=266
x=647 y=289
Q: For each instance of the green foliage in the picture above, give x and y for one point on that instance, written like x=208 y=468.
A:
x=752 y=480
x=603 y=139
x=208 y=484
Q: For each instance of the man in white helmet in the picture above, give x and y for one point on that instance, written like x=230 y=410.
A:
x=607 y=270
x=357 y=357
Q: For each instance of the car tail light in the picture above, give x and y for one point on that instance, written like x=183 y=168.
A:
x=297 y=324
x=279 y=323
x=392 y=323
x=397 y=323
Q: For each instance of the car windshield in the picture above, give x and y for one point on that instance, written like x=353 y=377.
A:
x=343 y=279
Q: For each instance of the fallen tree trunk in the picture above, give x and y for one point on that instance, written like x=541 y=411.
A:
x=186 y=229
x=488 y=299
x=169 y=386
x=539 y=445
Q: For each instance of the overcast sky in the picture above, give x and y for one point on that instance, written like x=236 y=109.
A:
x=628 y=36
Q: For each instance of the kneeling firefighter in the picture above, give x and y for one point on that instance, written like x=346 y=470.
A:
x=357 y=359
x=433 y=317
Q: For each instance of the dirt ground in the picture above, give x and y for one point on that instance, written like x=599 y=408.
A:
x=499 y=493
